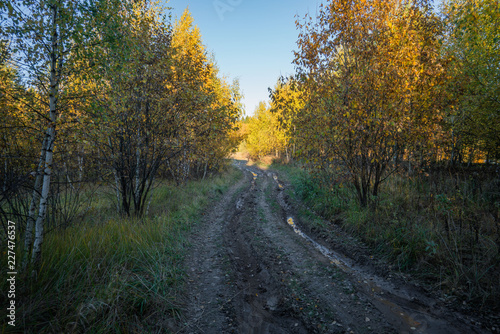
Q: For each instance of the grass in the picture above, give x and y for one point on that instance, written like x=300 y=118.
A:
x=115 y=274
x=441 y=226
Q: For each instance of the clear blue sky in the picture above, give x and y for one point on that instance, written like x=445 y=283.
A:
x=252 y=40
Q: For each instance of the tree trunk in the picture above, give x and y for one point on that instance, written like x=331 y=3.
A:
x=80 y=168
x=56 y=61
x=42 y=211
x=28 y=239
x=205 y=171
x=117 y=189
x=117 y=179
x=137 y=192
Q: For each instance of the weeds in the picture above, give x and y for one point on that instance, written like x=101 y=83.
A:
x=115 y=274
x=442 y=225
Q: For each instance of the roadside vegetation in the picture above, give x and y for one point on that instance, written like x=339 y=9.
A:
x=110 y=273
x=116 y=126
x=121 y=97
x=389 y=127
x=443 y=233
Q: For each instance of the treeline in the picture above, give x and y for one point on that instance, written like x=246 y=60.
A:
x=394 y=111
x=105 y=93
x=386 y=84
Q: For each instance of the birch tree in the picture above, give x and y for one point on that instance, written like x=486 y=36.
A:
x=48 y=37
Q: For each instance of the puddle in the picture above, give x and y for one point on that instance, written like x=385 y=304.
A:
x=239 y=203
x=394 y=302
x=325 y=251
x=389 y=308
x=407 y=309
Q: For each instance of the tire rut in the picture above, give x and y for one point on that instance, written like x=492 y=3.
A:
x=208 y=292
x=258 y=309
x=252 y=270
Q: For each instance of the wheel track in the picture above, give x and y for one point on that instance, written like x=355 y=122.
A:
x=251 y=272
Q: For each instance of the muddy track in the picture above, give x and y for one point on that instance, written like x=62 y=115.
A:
x=253 y=270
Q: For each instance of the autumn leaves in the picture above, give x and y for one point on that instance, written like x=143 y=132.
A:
x=382 y=82
x=371 y=72
x=109 y=92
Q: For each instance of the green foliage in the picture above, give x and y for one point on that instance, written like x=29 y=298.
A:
x=386 y=94
x=474 y=44
x=438 y=226
x=109 y=92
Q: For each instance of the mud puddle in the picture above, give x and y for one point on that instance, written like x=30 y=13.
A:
x=405 y=308
x=252 y=269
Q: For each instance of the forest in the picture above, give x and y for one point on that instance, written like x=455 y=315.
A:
x=117 y=131
x=89 y=95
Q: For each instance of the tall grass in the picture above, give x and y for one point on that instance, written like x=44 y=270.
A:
x=115 y=274
x=444 y=226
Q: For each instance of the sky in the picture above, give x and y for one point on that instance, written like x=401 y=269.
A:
x=252 y=40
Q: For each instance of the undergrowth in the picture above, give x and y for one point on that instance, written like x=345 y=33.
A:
x=443 y=226
x=111 y=273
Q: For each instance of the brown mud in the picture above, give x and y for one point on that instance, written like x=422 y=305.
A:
x=252 y=269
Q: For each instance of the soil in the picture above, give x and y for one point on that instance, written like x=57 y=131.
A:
x=254 y=267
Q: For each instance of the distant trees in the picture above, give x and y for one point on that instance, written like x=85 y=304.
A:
x=263 y=135
x=107 y=91
x=287 y=101
x=271 y=130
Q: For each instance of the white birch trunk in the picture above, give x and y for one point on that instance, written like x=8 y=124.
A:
x=28 y=239
x=42 y=211
x=56 y=61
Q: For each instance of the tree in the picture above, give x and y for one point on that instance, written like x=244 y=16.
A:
x=474 y=45
x=15 y=144
x=48 y=38
x=370 y=71
x=286 y=102
x=165 y=106
x=209 y=105
x=264 y=137
x=135 y=104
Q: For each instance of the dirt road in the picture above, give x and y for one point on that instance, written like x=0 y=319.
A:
x=253 y=270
